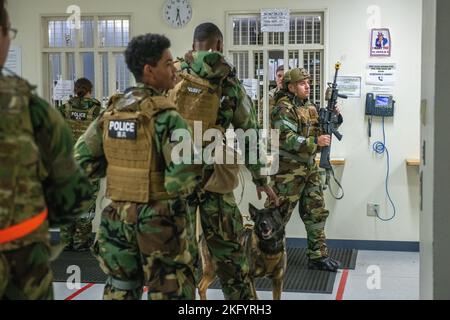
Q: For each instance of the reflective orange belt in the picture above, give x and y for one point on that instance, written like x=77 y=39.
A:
x=24 y=228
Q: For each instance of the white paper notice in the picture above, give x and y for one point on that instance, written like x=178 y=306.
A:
x=14 y=61
x=63 y=90
x=349 y=86
x=381 y=74
x=251 y=87
x=274 y=20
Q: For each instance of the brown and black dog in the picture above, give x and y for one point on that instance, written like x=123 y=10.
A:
x=265 y=248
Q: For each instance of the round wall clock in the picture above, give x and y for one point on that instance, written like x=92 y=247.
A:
x=177 y=13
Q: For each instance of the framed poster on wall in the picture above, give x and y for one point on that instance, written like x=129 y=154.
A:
x=380 y=43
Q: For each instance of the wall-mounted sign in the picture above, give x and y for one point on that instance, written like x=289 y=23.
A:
x=380 y=74
x=349 y=86
x=14 y=61
x=380 y=43
x=274 y=20
x=63 y=90
x=251 y=87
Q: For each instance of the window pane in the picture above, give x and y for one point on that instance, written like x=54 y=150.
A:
x=71 y=71
x=293 y=59
x=126 y=32
x=293 y=30
x=236 y=32
x=301 y=30
x=113 y=32
x=308 y=29
x=260 y=34
x=312 y=62
x=118 y=35
x=276 y=38
x=54 y=72
x=247 y=31
x=88 y=68
x=109 y=33
x=244 y=32
x=240 y=61
x=305 y=29
x=317 y=30
x=253 y=32
x=123 y=76
x=102 y=33
x=60 y=35
x=258 y=67
x=105 y=75
x=87 y=34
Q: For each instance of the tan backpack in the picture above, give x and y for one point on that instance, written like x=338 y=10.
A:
x=199 y=100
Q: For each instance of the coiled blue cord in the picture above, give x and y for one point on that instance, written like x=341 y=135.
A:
x=380 y=148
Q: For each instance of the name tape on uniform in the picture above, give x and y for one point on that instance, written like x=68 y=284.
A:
x=122 y=129
x=194 y=90
x=75 y=115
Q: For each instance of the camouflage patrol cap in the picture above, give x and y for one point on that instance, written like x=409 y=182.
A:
x=296 y=75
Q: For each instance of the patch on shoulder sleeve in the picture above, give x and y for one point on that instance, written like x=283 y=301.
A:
x=122 y=129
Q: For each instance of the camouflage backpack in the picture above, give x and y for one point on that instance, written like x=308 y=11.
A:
x=197 y=100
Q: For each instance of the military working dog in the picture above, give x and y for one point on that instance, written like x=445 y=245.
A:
x=265 y=248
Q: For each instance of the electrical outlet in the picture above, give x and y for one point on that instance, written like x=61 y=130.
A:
x=373 y=209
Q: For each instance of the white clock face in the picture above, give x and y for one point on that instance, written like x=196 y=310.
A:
x=177 y=13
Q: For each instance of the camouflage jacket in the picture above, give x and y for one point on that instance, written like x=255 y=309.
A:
x=285 y=118
x=79 y=113
x=236 y=107
x=179 y=179
x=66 y=189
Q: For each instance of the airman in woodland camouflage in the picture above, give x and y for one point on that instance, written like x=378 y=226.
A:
x=142 y=239
x=279 y=75
x=298 y=179
x=206 y=70
x=79 y=112
x=40 y=183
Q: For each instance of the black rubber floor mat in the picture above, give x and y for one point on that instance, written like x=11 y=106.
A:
x=89 y=267
x=299 y=278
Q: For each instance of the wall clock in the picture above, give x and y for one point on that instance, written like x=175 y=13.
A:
x=177 y=13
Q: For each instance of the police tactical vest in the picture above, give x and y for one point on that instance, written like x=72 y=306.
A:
x=197 y=100
x=307 y=126
x=79 y=118
x=135 y=170
x=309 y=120
x=21 y=193
x=307 y=117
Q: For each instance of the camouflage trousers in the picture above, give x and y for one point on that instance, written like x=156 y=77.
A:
x=25 y=273
x=296 y=183
x=145 y=244
x=222 y=226
x=78 y=235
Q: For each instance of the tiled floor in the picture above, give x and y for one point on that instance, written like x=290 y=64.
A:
x=378 y=275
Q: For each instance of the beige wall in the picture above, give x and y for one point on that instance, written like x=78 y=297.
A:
x=347 y=39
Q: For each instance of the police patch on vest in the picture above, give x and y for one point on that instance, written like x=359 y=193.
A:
x=76 y=115
x=122 y=129
x=194 y=90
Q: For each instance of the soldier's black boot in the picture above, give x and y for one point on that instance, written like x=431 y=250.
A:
x=324 y=263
